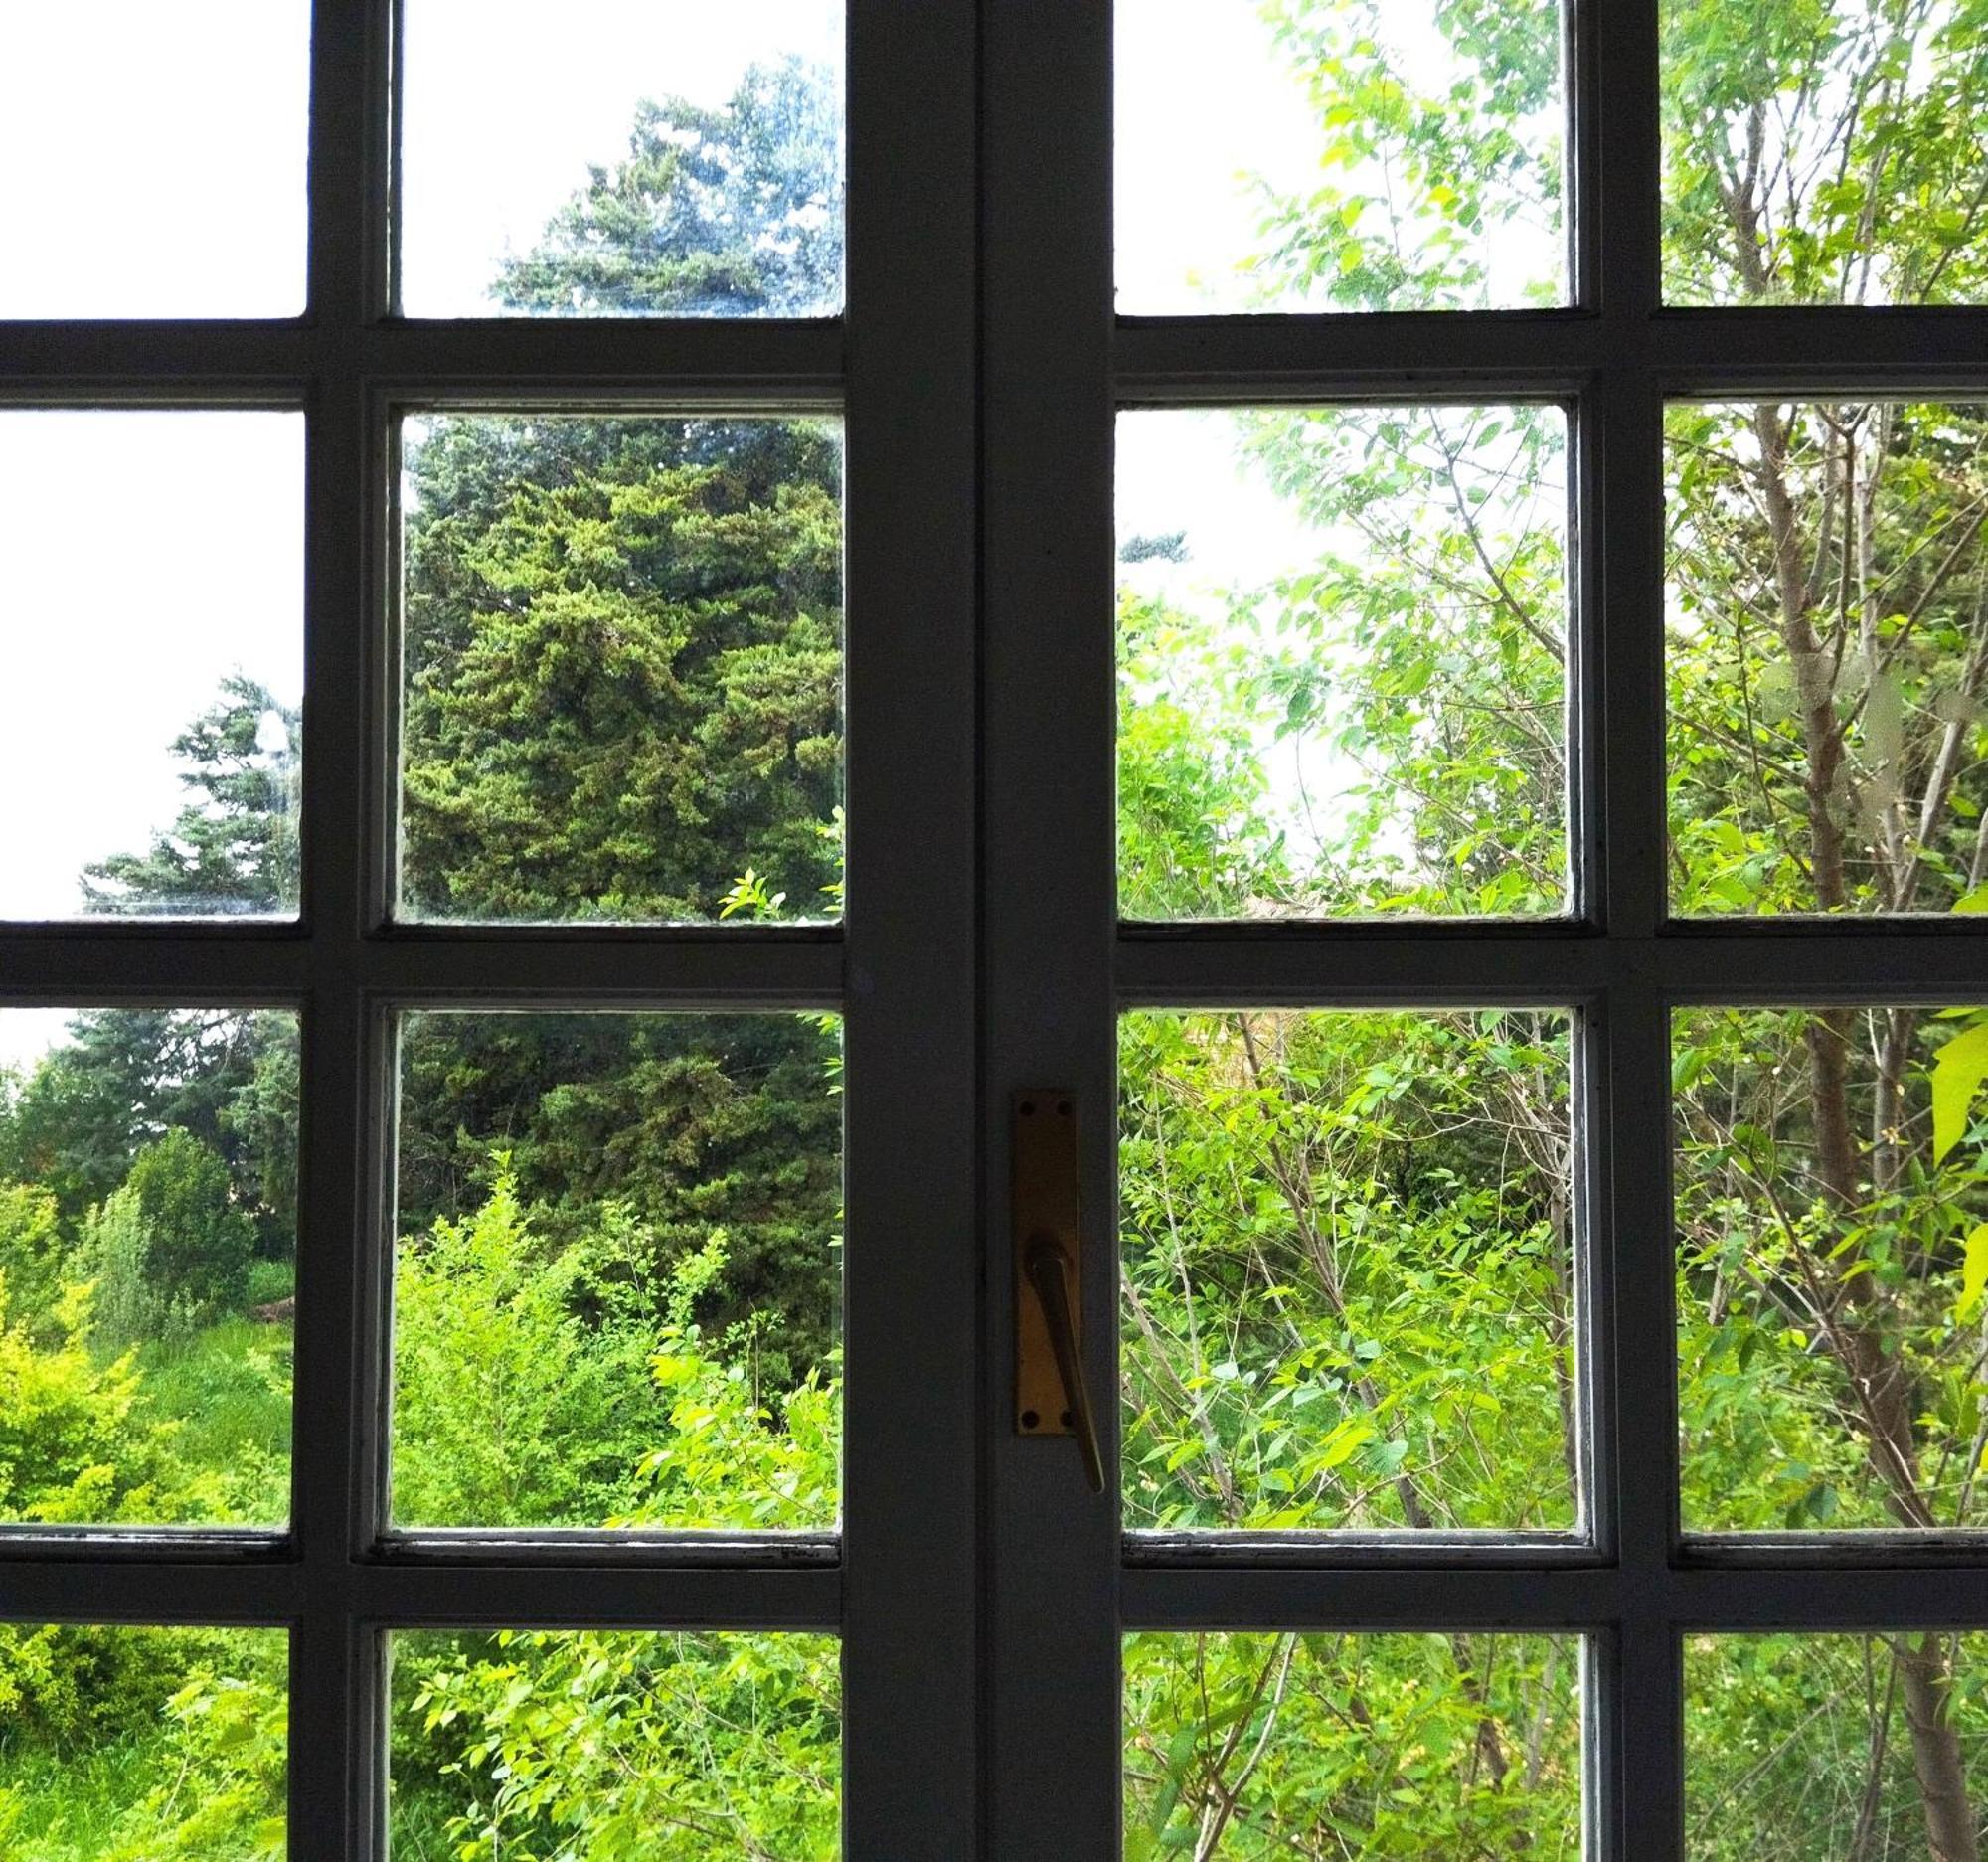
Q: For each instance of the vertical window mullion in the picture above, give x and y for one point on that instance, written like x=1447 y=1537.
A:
x=333 y=1707
x=1638 y=1714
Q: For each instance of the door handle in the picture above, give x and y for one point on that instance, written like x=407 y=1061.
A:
x=1050 y=1395
x=1050 y=1274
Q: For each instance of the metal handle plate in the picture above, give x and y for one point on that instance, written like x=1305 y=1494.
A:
x=1050 y=1395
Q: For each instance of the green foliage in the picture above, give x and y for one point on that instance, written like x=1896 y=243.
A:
x=624 y=679
x=599 y=1748
x=1261 y=1746
x=235 y=849
x=509 y=1408
x=1348 y=1283
x=723 y=213
x=199 y=1241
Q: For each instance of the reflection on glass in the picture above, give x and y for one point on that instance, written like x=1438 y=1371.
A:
x=1342 y=645
x=142 y=1743
x=1824 y=152
x=1798 y=1747
x=1346 y=1269
x=1830 y=1201
x=1827 y=648
x=615 y=1288
x=623 y=647
x=572 y=1743
x=620 y=158
x=1292 y=155
x=148 y=1177
x=153 y=160
x=154 y=625
x=1262 y=1748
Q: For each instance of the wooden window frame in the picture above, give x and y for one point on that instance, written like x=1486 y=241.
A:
x=980 y=1595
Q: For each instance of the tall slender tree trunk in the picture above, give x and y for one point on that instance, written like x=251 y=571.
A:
x=1858 y=1308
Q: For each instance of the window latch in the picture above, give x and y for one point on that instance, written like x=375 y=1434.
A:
x=1050 y=1395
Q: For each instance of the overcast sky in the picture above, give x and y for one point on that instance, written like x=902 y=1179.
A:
x=153 y=164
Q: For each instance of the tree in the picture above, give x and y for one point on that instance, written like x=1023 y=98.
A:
x=235 y=849
x=723 y=213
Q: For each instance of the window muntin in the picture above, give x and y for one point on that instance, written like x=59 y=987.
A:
x=154 y=708
x=154 y=158
x=634 y=161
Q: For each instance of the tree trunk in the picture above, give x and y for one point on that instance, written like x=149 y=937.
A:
x=1857 y=1308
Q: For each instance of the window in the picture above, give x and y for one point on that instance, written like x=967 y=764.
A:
x=1386 y=599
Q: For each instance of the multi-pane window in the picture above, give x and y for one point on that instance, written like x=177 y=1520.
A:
x=1544 y=1224
x=627 y=622
x=434 y=1143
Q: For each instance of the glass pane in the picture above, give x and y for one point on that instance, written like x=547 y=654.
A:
x=151 y=705
x=620 y=158
x=622 y=644
x=617 y=1284
x=1825 y=152
x=1802 y=1746
x=1832 y=1186
x=1827 y=643
x=153 y=159
x=1268 y=1748
x=1342 y=645
x=671 y=1748
x=1348 y=1270
x=1292 y=155
x=148 y=1183
x=143 y=1743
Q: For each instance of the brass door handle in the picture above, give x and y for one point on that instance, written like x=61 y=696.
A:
x=1047 y=1216
x=1050 y=1274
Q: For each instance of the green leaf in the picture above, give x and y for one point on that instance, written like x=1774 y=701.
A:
x=1973 y=1274
x=1958 y=1070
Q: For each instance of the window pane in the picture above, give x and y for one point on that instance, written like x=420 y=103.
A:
x=1342 y=644
x=1348 y=1271
x=1827 y=644
x=143 y=1743
x=1830 y=1192
x=622 y=644
x=1799 y=1747
x=673 y=1748
x=153 y=159
x=148 y=1181
x=1825 y=152
x=1262 y=1748
x=616 y=1287
x=152 y=702
x=620 y=158
x=1338 y=155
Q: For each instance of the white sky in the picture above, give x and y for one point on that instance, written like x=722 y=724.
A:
x=152 y=164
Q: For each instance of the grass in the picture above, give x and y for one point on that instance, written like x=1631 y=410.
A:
x=74 y=1805
x=228 y=1389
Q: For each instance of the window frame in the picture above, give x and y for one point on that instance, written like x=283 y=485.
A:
x=898 y=1582
x=1059 y=368
x=980 y=1596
